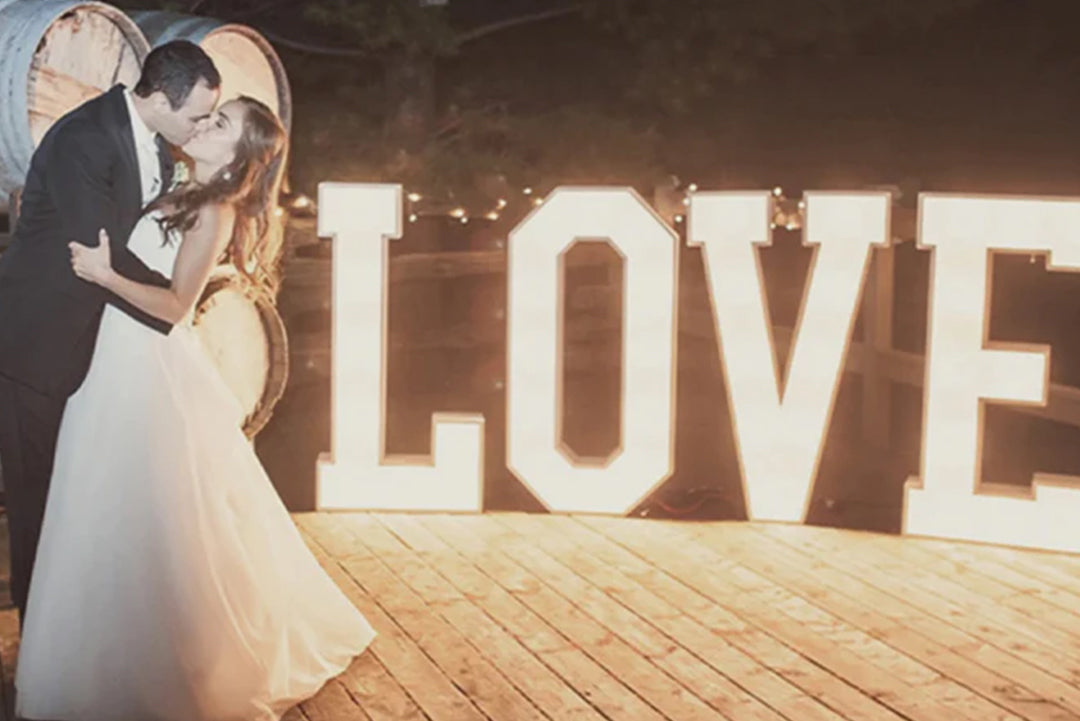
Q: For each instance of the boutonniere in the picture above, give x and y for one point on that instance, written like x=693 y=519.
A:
x=181 y=175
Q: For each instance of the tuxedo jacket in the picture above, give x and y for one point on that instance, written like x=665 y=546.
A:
x=84 y=176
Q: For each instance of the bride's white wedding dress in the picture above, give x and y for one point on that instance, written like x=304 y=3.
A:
x=170 y=582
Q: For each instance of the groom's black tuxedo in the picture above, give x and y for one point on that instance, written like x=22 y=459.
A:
x=84 y=176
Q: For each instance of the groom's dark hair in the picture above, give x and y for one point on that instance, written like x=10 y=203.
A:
x=175 y=68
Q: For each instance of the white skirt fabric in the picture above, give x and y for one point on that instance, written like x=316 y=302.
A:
x=170 y=581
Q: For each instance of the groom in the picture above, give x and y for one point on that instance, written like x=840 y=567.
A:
x=95 y=168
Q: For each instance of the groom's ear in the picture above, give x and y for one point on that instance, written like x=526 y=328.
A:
x=160 y=102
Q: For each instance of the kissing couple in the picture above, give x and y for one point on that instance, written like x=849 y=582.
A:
x=157 y=574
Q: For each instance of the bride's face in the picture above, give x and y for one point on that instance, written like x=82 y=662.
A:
x=215 y=142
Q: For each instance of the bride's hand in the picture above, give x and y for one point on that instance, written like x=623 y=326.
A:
x=92 y=264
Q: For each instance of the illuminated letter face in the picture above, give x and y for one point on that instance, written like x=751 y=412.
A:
x=779 y=439
x=963 y=370
x=362 y=219
x=535 y=452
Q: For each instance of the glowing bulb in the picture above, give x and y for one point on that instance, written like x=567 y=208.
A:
x=692 y=187
x=538 y=201
x=301 y=201
x=678 y=218
x=501 y=203
x=464 y=219
x=527 y=191
x=492 y=215
x=414 y=197
x=458 y=212
x=412 y=217
x=686 y=201
x=279 y=212
x=778 y=191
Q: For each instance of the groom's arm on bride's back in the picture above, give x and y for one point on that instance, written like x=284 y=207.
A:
x=81 y=183
x=202 y=245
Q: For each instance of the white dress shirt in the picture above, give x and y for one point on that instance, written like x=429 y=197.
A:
x=146 y=150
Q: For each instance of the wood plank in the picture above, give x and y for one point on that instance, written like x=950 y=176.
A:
x=606 y=692
x=1029 y=683
x=1066 y=563
x=865 y=607
x=621 y=642
x=983 y=574
x=333 y=703
x=378 y=693
x=295 y=714
x=1028 y=688
x=555 y=696
x=484 y=682
x=598 y=665
x=551 y=617
x=750 y=690
x=1057 y=570
x=753 y=599
x=981 y=621
x=815 y=681
x=421 y=681
x=986 y=598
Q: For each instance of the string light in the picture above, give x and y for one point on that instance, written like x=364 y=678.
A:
x=786 y=214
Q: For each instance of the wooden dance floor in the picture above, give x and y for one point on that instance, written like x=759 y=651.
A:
x=513 y=617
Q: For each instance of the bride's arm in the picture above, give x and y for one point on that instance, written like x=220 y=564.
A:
x=198 y=254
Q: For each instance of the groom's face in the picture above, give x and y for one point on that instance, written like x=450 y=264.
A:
x=178 y=126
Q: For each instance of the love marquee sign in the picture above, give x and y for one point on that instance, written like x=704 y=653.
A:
x=779 y=438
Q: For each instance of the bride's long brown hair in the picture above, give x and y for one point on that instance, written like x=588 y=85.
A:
x=250 y=183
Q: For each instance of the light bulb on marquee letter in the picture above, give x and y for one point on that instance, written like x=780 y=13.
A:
x=362 y=219
x=963 y=370
x=779 y=440
x=649 y=249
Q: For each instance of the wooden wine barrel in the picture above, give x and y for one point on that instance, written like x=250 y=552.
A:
x=244 y=335
x=54 y=55
x=246 y=60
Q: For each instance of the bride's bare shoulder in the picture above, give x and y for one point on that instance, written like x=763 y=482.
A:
x=215 y=217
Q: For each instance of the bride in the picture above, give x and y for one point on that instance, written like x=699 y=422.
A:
x=170 y=581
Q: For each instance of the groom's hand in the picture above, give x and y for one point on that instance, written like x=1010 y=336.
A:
x=92 y=264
